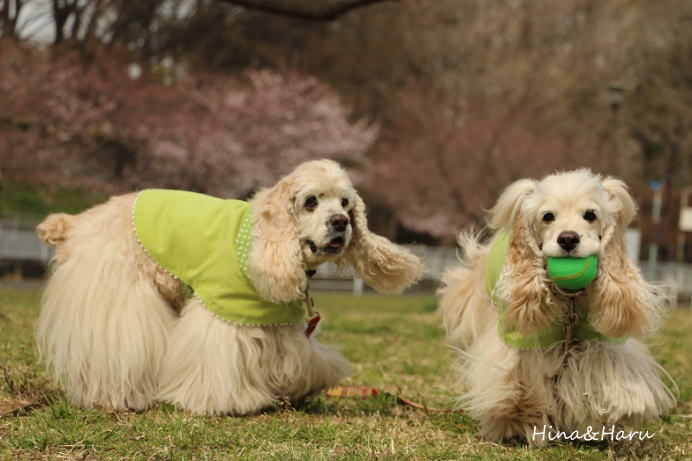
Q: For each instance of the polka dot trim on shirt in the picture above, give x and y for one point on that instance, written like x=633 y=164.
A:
x=243 y=243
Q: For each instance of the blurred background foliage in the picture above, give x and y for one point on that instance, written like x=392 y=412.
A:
x=434 y=106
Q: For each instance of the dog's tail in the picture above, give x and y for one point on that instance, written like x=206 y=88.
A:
x=472 y=250
x=55 y=228
x=463 y=296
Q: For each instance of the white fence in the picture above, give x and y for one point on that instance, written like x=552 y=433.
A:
x=437 y=260
x=675 y=278
x=18 y=242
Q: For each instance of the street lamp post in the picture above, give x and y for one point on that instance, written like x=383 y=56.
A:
x=656 y=187
x=616 y=95
x=616 y=92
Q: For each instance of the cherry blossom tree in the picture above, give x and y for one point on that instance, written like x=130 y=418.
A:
x=66 y=123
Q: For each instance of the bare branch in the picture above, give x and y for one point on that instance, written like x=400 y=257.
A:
x=309 y=11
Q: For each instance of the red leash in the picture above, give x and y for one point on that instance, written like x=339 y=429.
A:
x=368 y=392
x=355 y=391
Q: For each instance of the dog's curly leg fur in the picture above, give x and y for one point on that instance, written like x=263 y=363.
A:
x=217 y=368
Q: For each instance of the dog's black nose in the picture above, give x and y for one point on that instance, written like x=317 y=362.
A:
x=568 y=240
x=339 y=222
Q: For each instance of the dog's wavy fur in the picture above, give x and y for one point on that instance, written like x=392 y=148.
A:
x=116 y=332
x=512 y=390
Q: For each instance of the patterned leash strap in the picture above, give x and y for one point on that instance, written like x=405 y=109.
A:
x=571 y=320
x=313 y=316
x=368 y=392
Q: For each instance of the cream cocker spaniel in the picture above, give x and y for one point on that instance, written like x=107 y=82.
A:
x=194 y=300
x=520 y=380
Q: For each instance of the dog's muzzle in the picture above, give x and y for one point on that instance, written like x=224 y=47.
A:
x=335 y=246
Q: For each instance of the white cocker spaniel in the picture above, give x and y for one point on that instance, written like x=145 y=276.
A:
x=508 y=320
x=197 y=301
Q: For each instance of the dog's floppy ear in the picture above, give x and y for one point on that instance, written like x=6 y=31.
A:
x=620 y=209
x=276 y=267
x=382 y=264
x=627 y=209
x=627 y=304
x=530 y=306
x=505 y=211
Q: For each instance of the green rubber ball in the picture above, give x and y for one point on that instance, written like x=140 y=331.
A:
x=573 y=273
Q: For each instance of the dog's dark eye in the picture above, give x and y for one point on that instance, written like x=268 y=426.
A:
x=310 y=203
x=590 y=215
x=344 y=202
x=548 y=217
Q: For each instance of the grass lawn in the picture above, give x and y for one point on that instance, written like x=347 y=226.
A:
x=35 y=201
x=395 y=344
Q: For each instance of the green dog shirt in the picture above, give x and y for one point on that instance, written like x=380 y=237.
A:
x=205 y=241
